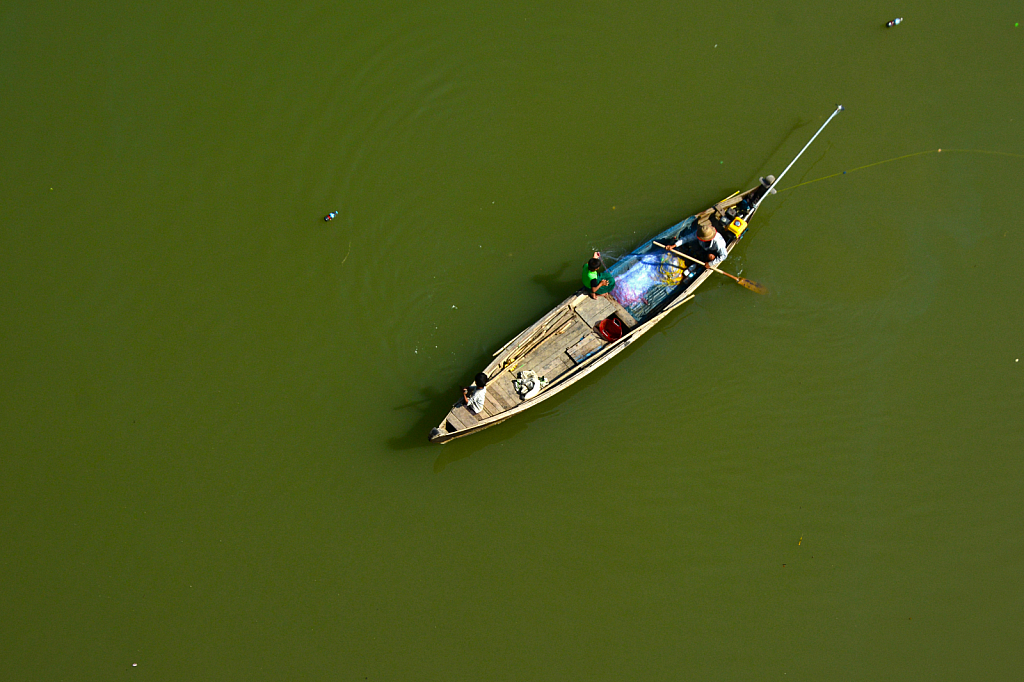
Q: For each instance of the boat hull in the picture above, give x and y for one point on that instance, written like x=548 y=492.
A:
x=565 y=344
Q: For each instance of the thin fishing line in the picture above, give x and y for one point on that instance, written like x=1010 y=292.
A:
x=905 y=156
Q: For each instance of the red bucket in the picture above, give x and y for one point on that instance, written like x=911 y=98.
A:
x=610 y=329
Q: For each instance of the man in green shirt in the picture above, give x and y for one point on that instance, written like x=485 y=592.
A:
x=597 y=285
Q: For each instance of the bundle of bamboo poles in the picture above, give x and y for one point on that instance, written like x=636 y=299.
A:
x=555 y=326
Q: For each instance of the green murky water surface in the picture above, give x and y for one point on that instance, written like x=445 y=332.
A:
x=214 y=405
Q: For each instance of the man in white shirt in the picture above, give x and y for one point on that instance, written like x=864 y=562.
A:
x=474 y=395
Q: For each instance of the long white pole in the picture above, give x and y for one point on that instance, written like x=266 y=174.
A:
x=838 y=109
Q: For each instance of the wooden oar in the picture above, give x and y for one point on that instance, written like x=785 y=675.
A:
x=742 y=281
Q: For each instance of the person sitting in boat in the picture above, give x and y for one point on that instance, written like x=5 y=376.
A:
x=705 y=244
x=474 y=395
x=597 y=285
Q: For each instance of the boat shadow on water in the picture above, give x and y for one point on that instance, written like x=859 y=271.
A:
x=462 y=448
x=649 y=282
x=434 y=401
x=798 y=125
x=558 y=285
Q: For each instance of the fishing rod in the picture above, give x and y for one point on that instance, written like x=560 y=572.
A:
x=772 y=186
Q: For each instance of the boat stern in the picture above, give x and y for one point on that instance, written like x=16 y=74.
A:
x=446 y=430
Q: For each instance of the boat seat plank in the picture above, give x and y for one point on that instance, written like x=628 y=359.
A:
x=537 y=360
x=455 y=419
x=467 y=417
x=594 y=310
x=584 y=347
x=624 y=315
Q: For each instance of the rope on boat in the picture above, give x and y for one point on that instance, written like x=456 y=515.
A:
x=905 y=156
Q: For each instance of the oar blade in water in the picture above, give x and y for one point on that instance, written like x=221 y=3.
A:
x=753 y=286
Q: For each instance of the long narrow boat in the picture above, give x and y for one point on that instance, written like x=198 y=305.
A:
x=582 y=333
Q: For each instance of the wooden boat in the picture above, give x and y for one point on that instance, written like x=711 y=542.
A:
x=582 y=333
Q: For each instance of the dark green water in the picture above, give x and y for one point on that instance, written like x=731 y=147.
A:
x=214 y=405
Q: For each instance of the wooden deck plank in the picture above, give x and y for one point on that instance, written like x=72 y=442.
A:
x=545 y=332
x=491 y=405
x=571 y=337
x=525 y=336
x=521 y=336
x=553 y=344
x=503 y=392
x=555 y=367
x=555 y=347
x=456 y=418
x=468 y=417
x=539 y=354
x=593 y=311
x=571 y=350
x=504 y=382
x=549 y=360
x=583 y=348
x=624 y=315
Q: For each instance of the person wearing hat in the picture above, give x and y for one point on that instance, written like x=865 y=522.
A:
x=766 y=187
x=597 y=285
x=705 y=244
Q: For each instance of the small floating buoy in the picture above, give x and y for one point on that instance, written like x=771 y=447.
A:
x=330 y=216
x=895 y=22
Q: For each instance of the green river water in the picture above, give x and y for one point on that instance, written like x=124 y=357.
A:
x=214 y=405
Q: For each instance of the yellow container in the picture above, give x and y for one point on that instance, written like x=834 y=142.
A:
x=737 y=226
